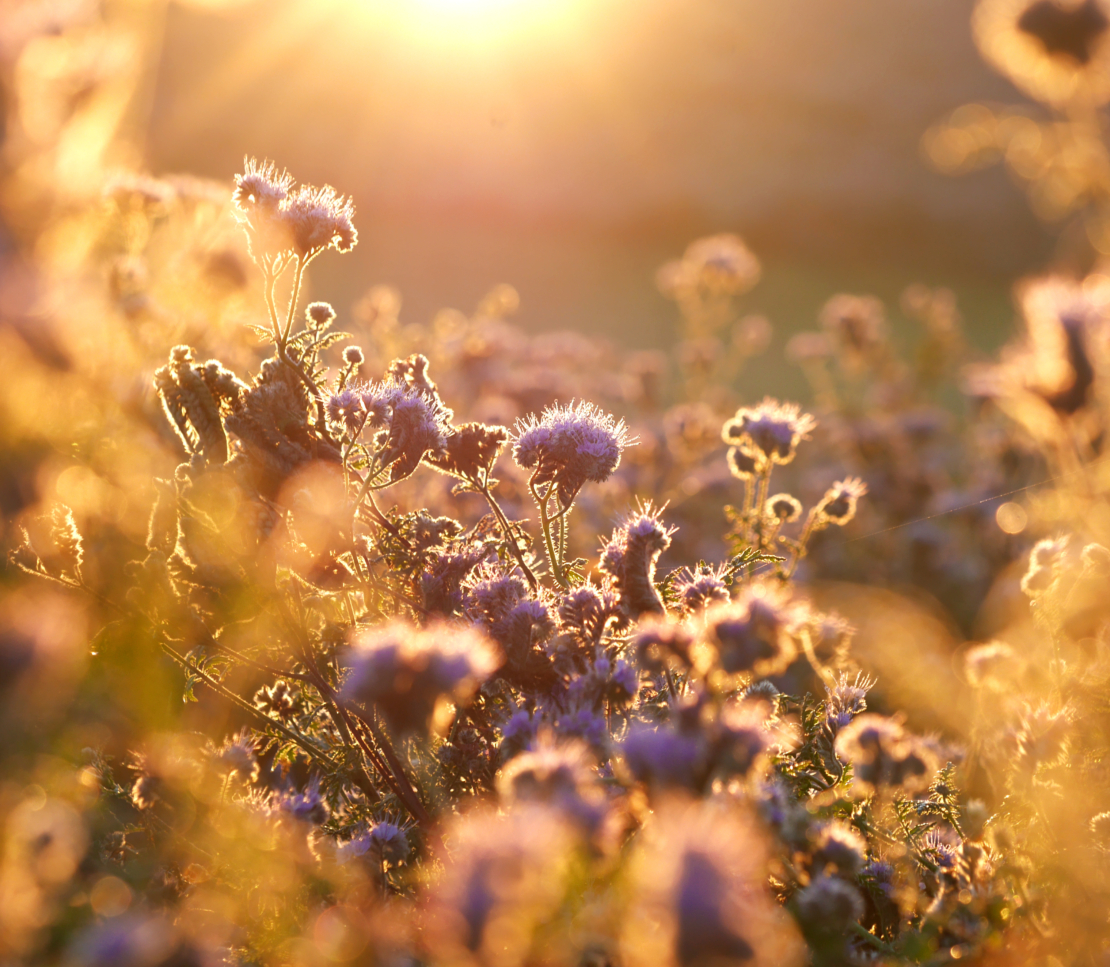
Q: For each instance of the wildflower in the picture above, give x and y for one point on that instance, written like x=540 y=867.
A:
x=66 y=538
x=663 y=643
x=783 y=508
x=471 y=450
x=570 y=445
x=771 y=429
x=261 y=187
x=318 y=219
x=718 y=264
x=1100 y=829
x=388 y=843
x=320 y=315
x=838 y=506
x=1056 y=50
x=405 y=671
x=417 y=426
x=308 y=805
x=993 y=665
x=558 y=775
x=237 y=757
x=742 y=462
x=699 y=894
x=347 y=410
x=277 y=699
x=882 y=753
x=664 y=756
x=697 y=590
x=828 y=905
x=855 y=323
x=505 y=876
x=587 y=611
x=840 y=847
x=353 y=356
x=845 y=700
x=630 y=558
x=755 y=633
x=441 y=581
x=1045 y=561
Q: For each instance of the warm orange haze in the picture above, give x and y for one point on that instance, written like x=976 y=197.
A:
x=525 y=483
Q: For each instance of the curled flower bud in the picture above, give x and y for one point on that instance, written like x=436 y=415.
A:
x=838 y=506
x=630 y=557
x=697 y=590
x=742 y=462
x=784 y=508
x=353 y=356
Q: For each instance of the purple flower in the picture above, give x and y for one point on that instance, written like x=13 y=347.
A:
x=630 y=558
x=772 y=430
x=570 y=445
x=406 y=670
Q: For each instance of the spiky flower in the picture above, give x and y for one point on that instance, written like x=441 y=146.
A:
x=701 y=587
x=569 y=445
x=771 y=430
x=630 y=557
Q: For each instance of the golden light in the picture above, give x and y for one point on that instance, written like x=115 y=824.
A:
x=469 y=23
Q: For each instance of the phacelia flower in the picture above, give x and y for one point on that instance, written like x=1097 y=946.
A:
x=846 y=699
x=569 y=445
x=772 y=430
x=699 y=894
x=882 y=753
x=320 y=315
x=783 y=508
x=828 y=905
x=838 y=506
x=697 y=589
x=308 y=805
x=471 y=450
x=755 y=633
x=630 y=557
x=505 y=876
x=405 y=671
x=1045 y=562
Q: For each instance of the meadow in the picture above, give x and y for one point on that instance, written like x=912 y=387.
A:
x=335 y=632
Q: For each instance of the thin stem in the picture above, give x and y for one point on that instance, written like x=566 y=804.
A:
x=545 y=525
x=506 y=527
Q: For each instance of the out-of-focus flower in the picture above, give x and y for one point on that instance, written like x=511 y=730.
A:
x=755 y=633
x=1056 y=50
x=838 y=506
x=697 y=589
x=718 y=264
x=504 y=878
x=1045 y=562
x=404 y=670
x=700 y=894
x=771 y=430
x=883 y=754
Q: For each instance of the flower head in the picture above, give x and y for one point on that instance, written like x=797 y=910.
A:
x=882 y=753
x=771 y=430
x=1056 y=50
x=755 y=633
x=838 y=506
x=570 y=445
x=701 y=587
x=630 y=557
x=406 y=670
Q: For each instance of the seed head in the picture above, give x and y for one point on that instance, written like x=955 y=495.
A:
x=838 y=506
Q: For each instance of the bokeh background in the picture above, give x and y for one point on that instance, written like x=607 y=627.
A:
x=570 y=147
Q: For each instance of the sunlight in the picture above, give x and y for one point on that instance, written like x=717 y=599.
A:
x=477 y=23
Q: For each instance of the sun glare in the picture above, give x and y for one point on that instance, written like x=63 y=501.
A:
x=471 y=23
